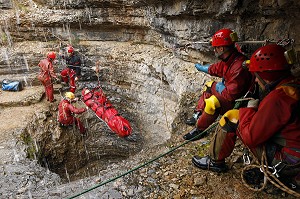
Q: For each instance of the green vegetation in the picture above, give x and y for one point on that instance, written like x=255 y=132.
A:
x=31 y=152
x=4 y=38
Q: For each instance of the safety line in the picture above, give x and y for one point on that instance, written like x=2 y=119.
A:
x=163 y=98
x=146 y=163
x=237 y=105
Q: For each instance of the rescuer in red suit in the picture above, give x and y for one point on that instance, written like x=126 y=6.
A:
x=270 y=124
x=73 y=61
x=72 y=72
x=66 y=112
x=68 y=75
x=219 y=97
x=47 y=74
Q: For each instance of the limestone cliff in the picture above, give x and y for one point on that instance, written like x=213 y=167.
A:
x=147 y=50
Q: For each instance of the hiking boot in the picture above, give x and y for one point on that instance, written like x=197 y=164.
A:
x=192 y=121
x=209 y=164
x=192 y=135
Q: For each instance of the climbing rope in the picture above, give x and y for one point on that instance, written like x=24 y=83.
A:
x=272 y=178
x=255 y=188
x=264 y=166
x=268 y=176
x=65 y=43
x=163 y=97
x=144 y=164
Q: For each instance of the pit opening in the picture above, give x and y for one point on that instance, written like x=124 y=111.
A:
x=144 y=89
x=65 y=151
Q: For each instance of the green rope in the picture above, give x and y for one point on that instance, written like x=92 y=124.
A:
x=236 y=106
x=145 y=164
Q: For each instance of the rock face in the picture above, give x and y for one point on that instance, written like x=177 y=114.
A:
x=146 y=58
x=5 y=4
x=146 y=49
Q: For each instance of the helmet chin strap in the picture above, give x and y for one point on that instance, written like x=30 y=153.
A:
x=219 y=55
x=268 y=86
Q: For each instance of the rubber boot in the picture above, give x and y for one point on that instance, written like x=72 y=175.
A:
x=192 y=135
x=207 y=163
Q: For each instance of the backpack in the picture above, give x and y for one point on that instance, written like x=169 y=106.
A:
x=11 y=85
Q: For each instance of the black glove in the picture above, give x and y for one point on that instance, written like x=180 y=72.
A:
x=229 y=126
x=229 y=121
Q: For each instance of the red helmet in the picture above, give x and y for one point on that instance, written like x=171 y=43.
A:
x=51 y=55
x=269 y=58
x=70 y=49
x=224 y=37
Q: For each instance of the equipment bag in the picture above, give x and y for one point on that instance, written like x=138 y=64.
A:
x=10 y=85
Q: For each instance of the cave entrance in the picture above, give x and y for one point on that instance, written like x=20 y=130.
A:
x=65 y=151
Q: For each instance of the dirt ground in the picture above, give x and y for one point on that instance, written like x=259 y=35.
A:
x=172 y=176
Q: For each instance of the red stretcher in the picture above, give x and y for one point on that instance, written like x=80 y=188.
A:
x=97 y=101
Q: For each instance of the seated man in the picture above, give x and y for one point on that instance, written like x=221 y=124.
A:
x=220 y=97
x=66 y=112
x=270 y=126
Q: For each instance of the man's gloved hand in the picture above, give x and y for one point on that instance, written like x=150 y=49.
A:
x=207 y=86
x=229 y=121
x=253 y=103
x=76 y=79
x=220 y=87
x=203 y=68
x=211 y=105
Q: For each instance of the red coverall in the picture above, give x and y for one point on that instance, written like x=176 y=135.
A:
x=45 y=76
x=68 y=75
x=276 y=123
x=103 y=108
x=97 y=101
x=237 y=82
x=65 y=115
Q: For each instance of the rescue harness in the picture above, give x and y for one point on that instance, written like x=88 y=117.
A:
x=252 y=174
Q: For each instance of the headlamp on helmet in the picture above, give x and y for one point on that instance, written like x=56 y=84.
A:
x=224 y=37
x=290 y=56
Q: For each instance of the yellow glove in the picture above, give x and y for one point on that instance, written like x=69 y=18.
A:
x=208 y=85
x=229 y=120
x=211 y=105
